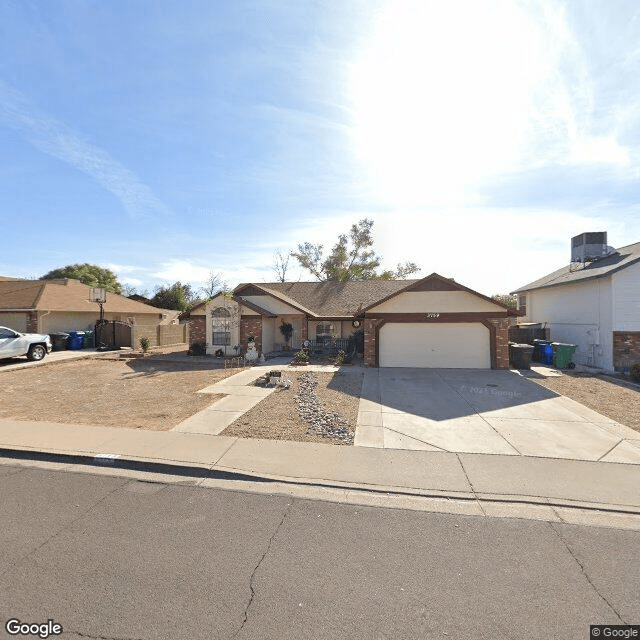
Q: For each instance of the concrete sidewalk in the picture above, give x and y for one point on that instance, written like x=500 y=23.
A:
x=13 y=364
x=601 y=493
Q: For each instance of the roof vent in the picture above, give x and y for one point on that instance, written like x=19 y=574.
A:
x=588 y=247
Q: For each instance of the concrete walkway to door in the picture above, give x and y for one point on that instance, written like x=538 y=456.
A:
x=484 y=411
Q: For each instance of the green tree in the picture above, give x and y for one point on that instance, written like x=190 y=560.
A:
x=509 y=300
x=351 y=258
x=177 y=296
x=90 y=274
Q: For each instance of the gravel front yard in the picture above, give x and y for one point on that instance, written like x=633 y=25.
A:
x=277 y=417
x=606 y=397
x=136 y=393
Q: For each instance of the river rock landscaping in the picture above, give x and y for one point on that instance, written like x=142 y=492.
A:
x=318 y=407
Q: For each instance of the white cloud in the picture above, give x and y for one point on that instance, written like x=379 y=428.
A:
x=133 y=281
x=59 y=140
x=183 y=271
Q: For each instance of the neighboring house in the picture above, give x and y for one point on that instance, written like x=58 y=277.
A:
x=432 y=322
x=50 y=306
x=594 y=303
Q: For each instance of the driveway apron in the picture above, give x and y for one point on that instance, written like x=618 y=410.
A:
x=483 y=411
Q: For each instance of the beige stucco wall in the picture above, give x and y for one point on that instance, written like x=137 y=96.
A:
x=65 y=321
x=435 y=302
x=268 y=334
x=272 y=305
x=14 y=320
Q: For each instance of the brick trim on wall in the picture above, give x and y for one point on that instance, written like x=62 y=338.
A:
x=626 y=349
x=197 y=330
x=251 y=326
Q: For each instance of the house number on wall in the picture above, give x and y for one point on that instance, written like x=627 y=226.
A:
x=433 y=315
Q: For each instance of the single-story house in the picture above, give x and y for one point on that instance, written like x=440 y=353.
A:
x=593 y=302
x=50 y=306
x=431 y=322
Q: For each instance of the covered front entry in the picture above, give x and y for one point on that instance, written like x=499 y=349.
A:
x=452 y=345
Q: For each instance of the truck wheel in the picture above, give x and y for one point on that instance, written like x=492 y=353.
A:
x=36 y=352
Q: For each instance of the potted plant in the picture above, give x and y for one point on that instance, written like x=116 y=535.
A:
x=286 y=329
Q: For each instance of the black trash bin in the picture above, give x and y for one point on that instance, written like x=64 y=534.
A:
x=536 y=356
x=60 y=341
x=520 y=355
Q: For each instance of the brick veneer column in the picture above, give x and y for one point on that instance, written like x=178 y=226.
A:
x=626 y=349
x=197 y=330
x=502 y=342
x=370 y=325
x=304 y=332
x=32 y=322
x=251 y=326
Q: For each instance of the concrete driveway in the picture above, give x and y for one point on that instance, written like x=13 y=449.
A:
x=484 y=411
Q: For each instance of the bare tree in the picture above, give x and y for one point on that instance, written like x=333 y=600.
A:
x=280 y=265
x=213 y=285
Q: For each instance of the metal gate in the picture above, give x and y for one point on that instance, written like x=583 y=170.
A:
x=110 y=334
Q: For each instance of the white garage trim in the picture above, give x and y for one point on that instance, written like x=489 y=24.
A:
x=452 y=345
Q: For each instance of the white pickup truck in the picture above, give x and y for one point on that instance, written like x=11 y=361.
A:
x=33 y=345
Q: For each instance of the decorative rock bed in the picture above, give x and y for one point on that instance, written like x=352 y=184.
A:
x=327 y=424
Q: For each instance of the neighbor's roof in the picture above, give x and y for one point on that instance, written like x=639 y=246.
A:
x=622 y=258
x=331 y=299
x=62 y=295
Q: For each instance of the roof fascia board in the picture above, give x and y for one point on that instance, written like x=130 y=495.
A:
x=436 y=276
x=595 y=276
x=274 y=294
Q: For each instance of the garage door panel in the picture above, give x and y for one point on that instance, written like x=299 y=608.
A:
x=15 y=321
x=443 y=345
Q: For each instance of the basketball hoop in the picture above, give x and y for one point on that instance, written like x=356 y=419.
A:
x=99 y=296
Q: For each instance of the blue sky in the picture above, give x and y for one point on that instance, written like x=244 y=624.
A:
x=170 y=139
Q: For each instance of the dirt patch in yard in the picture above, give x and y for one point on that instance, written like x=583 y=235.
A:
x=140 y=393
x=612 y=400
x=277 y=416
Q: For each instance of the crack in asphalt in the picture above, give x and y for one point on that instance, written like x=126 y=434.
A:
x=255 y=569
x=585 y=574
x=66 y=526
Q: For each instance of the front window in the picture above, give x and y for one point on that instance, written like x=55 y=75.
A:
x=323 y=332
x=221 y=327
x=522 y=303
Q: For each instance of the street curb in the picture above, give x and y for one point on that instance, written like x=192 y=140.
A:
x=174 y=468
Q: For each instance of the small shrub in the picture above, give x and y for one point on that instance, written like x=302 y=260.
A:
x=197 y=349
x=340 y=357
x=145 y=343
x=635 y=373
x=301 y=356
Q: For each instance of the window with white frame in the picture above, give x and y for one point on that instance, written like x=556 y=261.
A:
x=522 y=303
x=221 y=335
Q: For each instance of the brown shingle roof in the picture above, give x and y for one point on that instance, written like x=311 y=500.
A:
x=63 y=295
x=332 y=299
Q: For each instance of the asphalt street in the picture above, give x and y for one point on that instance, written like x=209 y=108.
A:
x=119 y=558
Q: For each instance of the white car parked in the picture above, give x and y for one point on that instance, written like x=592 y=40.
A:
x=33 y=345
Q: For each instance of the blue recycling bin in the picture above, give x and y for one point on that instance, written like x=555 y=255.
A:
x=77 y=339
x=547 y=354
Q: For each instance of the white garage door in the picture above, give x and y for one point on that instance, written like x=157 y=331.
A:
x=15 y=321
x=447 y=345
